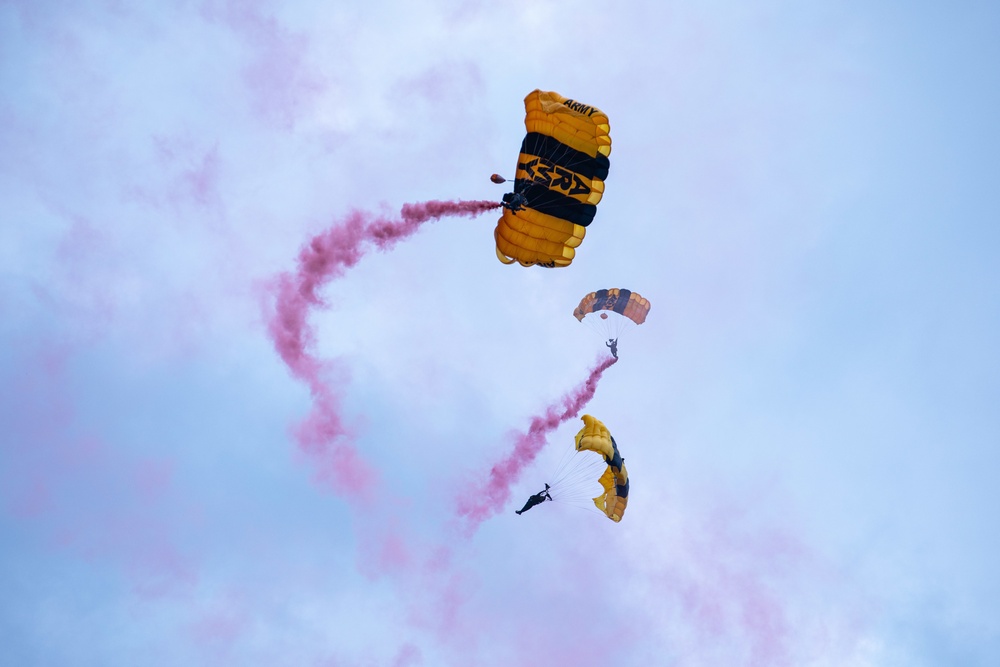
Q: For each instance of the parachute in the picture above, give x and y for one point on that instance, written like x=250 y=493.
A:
x=581 y=472
x=609 y=312
x=559 y=181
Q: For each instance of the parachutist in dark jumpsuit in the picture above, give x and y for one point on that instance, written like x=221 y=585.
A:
x=515 y=201
x=613 y=344
x=536 y=499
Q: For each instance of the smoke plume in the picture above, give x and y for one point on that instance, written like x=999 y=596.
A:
x=494 y=492
x=323 y=434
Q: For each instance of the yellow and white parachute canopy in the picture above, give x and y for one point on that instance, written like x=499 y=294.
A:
x=594 y=465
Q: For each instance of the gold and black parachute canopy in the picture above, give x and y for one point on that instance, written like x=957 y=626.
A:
x=595 y=437
x=625 y=302
x=559 y=181
x=612 y=312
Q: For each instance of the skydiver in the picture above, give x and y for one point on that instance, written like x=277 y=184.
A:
x=515 y=201
x=613 y=344
x=536 y=499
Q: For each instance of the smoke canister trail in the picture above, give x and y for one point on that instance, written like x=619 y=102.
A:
x=327 y=256
x=490 y=497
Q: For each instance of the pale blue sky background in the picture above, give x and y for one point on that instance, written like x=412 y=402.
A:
x=805 y=193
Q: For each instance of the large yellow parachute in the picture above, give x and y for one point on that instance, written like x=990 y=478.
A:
x=595 y=437
x=559 y=181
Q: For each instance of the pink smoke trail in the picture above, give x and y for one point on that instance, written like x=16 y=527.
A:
x=323 y=434
x=488 y=500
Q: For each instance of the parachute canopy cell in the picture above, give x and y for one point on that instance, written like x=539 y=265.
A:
x=595 y=437
x=558 y=183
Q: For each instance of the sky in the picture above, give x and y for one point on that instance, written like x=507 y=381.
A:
x=804 y=192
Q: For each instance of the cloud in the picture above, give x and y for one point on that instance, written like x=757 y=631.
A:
x=90 y=498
